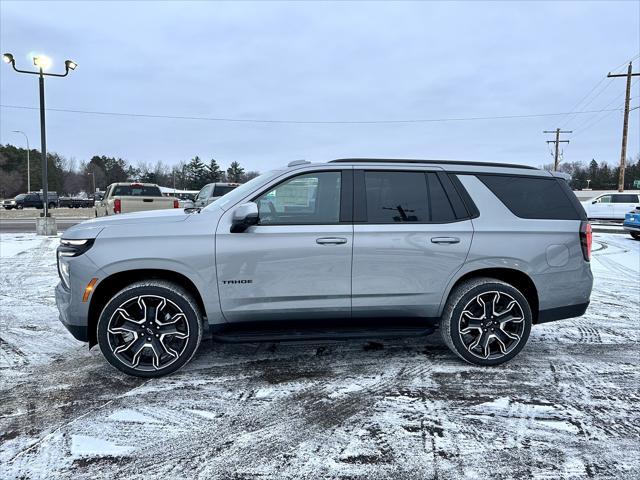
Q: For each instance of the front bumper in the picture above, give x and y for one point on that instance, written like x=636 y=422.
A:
x=74 y=321
x=631 y=227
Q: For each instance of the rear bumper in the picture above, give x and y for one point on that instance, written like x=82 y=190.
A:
x=560 y=313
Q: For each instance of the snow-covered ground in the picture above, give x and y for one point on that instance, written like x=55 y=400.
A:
x=566 y=407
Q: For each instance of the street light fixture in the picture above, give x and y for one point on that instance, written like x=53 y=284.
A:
x=28 y=168
x=42 y=62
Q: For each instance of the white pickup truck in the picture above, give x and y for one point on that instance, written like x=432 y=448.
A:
x=133 y=197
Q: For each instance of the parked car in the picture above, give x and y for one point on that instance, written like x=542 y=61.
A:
x=31 y=200
x=75 y=202
x=186 y=199
x=213 y=191
x=611 y=206
x=351 y=248
x=133 y=197
x=632 y=223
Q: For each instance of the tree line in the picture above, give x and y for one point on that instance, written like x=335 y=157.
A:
x=67 y=176
x=599 y=175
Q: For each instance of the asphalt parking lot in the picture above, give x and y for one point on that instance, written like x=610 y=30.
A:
x=566 y=407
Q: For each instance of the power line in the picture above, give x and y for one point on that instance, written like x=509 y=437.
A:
x=298 y=122
x=596 y=122
x=591 y=121
x=566 y=120
x=570 y=116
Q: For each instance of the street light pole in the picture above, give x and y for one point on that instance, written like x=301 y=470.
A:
x=42 y=62
x=43 y=149
x=93 y=178
x=28 y=167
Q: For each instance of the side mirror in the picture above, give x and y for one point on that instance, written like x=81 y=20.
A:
x=244 y=216
x=594 y=202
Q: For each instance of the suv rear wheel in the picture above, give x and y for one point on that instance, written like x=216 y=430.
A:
x=150 y=329
x=486 y=321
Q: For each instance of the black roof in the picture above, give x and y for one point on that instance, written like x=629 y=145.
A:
x=436 y=162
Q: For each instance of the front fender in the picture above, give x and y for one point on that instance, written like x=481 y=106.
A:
x=187 y=249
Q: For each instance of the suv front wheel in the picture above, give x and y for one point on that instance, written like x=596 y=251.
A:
x=150 y=328
x=486 y=321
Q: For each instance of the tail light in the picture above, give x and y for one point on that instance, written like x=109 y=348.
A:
x=586 y=239
x=176 y=204
x=117 y=206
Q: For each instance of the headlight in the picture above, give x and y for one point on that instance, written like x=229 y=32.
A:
x=74 y=248
x=69 y=249
x=63 y=270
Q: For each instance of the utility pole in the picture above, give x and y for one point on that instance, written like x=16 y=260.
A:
x=557 y=141
x=625 y=124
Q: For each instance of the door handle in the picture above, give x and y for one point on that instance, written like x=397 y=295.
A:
x=331 y=240
x=448 y=240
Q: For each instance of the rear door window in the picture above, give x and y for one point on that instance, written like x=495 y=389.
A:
x=532 y=197
x=396 y=197
x=440 y=206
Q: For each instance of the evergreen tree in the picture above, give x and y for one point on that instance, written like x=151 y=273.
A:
x=214 y=173
x=235 y=173
x=195 y=174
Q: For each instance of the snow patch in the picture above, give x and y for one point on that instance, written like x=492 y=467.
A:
x=13 y=245
x=85 y=446
x=128 y=415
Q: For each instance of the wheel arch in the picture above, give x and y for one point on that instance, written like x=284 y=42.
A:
x=115 y=282
x=516 y=278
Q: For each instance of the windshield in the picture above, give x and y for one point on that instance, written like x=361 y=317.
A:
x=243 y=190
x=21 y=196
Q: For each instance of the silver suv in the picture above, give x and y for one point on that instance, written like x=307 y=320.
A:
x=349 y=248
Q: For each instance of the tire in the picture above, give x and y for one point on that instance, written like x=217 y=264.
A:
x=635 y=235
x=129 y=321
x=52 y=206
x=19 y=207
x=471 y=330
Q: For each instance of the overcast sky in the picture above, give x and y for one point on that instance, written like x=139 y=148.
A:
x=317 y=61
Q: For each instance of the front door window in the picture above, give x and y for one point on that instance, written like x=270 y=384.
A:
x=310 y=199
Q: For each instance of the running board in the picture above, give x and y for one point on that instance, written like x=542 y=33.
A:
x=305 y=335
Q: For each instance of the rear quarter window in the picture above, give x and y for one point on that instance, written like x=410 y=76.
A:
x=625 y=198
x=533 y=197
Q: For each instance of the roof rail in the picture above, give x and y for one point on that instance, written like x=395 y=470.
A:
x=442 y=162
